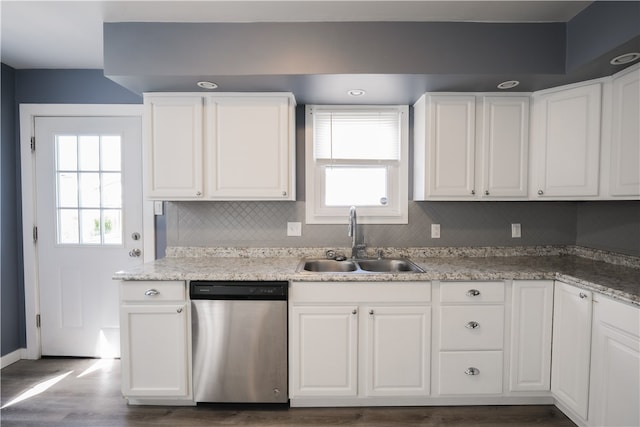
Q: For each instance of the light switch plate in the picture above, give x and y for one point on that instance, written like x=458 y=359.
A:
x=435 y=231
x=294 y=229
x=516 y=231
x=158 y=208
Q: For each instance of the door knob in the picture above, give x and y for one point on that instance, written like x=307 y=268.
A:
x=135 y=253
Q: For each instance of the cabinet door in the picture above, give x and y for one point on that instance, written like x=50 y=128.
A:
x=571 y=347
x=505 y=146
x=568 y=121
x=323 y=347
x=615 y=364
x=155 y=355
x=450 y=146
x=250 y=149
x=173 y=147
x=625 y=144
x=531 y=327
x=397 y=345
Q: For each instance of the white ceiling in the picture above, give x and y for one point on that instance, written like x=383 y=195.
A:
x=68 y=34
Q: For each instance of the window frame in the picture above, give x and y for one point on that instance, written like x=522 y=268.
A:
x=396 y=212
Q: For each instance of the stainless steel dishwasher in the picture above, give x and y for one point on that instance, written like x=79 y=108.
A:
x=239 y=337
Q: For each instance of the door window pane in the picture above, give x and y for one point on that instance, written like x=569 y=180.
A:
x=89 y=153
x=89 y=200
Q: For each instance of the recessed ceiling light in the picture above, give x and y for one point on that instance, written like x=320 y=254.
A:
x=625 y=58
x=356 y=92
x=508 y=84
x=207 y=85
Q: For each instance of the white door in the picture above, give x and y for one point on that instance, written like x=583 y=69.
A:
x=89 y=225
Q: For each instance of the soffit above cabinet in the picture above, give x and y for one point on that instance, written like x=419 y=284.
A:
x=394 y=62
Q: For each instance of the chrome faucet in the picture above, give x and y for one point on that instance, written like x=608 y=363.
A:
x=358 y=250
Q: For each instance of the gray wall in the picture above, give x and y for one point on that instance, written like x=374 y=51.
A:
x=44 y=87
x=11 y=290
x=613 y=226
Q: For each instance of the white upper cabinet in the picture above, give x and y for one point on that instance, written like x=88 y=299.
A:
x=444 y=147
x=625 y=138
x=234 y=146
x=565 y=144
x=250 y=153
x=504 y=152
x=173 y=147
x=470 y=146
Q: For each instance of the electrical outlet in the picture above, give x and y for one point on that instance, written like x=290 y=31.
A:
x=294 y=229
x=516 y=231
x=435 y=231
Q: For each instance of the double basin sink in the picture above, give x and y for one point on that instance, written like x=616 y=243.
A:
x=359 y=266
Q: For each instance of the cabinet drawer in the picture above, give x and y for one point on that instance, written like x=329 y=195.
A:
x=144 y=291
x=470 y=372
x=472 y=292
x=471 y=327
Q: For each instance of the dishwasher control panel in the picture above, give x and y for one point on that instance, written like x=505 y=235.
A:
x=229 y=290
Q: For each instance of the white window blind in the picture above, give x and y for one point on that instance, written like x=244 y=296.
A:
x=357 y=135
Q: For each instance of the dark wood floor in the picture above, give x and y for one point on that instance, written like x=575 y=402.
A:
x=86 y=392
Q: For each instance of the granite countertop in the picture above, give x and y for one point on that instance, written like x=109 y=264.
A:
x=617 y=281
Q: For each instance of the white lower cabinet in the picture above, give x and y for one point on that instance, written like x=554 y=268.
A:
x=531 y=329
x=470 y=338
x=155 y=342
x=571 y=348
x=615 y=364
x=364 y=341
x=397 y=343
x=324 y=350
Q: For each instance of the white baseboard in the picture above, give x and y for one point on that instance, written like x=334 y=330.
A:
x=12 y=357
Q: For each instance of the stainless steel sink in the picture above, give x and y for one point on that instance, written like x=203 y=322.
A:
x=359 y=266
x=389 y=265
x=329 y=266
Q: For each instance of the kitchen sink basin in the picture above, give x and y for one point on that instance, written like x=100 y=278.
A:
x=329 y=266
x=389 y=266
x=360 y=266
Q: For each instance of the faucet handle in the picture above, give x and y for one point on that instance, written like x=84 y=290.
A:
x=380 y=253
x=330 y=254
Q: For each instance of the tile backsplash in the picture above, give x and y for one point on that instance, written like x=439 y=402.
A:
x=264 y=224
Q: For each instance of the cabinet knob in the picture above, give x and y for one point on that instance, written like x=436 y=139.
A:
x=284 y=193
x=472 y=371
x=473 y=192
x=354 y=311
x=152 y=292
x=540 y=192
x=486 y=192
x=472 y=325
x=199 y=193
x=179 y=310
x=473 y=293
x=582 y=295
x=371 y=312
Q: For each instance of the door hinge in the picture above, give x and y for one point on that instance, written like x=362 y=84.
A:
x=37 y=320
x=35 y=234
x=33 y=143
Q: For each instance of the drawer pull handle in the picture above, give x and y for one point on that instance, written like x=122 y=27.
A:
x=472 y=325
x=472 y=371
x=151 y=292
x=473 y=293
